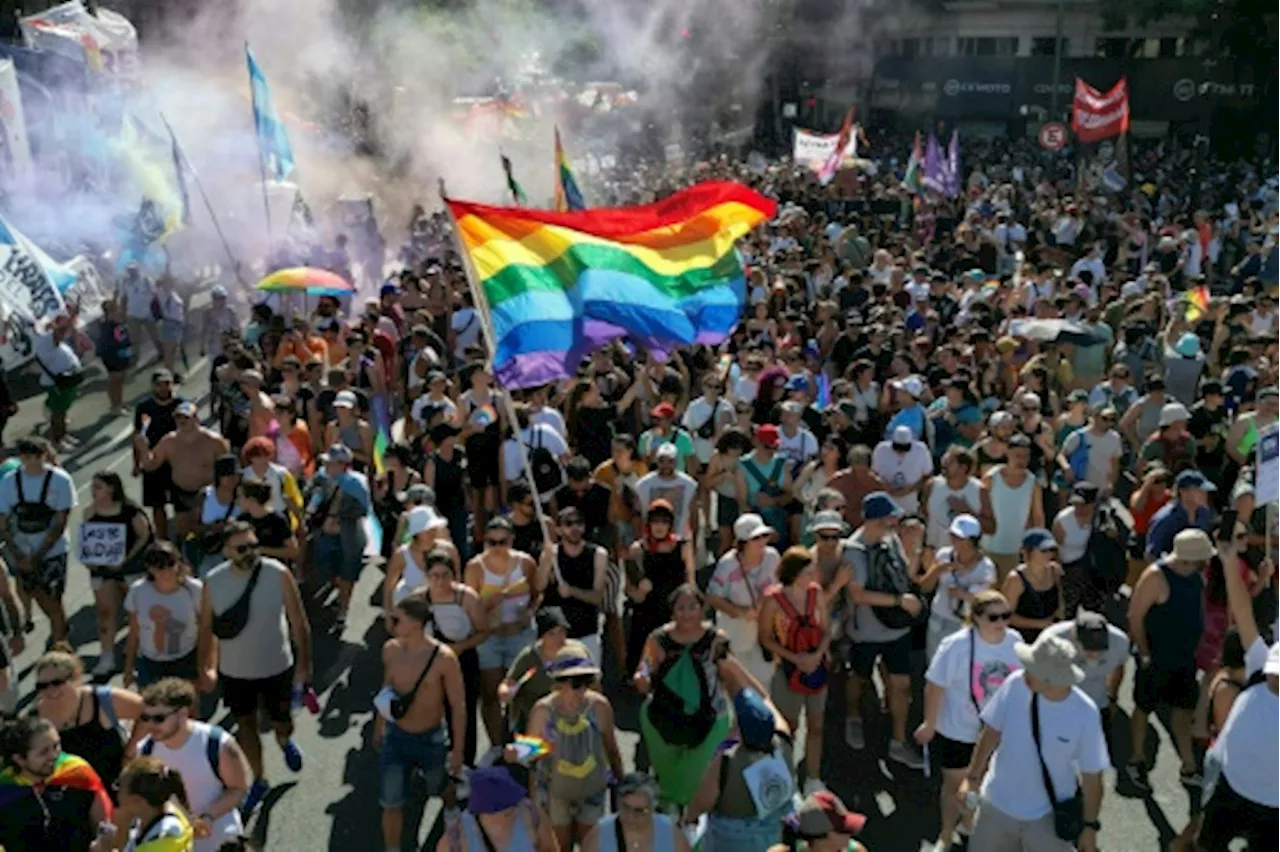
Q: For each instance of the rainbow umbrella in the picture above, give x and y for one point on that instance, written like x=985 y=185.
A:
x=306 y=279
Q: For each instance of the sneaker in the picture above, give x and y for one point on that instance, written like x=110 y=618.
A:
x=908 y=755
x=257 y=792
x=292 y=756
x=106 y=664
x=1191 y=778
x=813 y=785
x=853 y=735
x=1136 y=775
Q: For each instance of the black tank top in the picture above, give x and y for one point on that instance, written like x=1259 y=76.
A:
x=125 y=516
x=1174 y=627
x=102 y=747
x=528 y=537
x=666 y=572
x=580 y=573
x=1034 y=603
x=593 y=433
x=450 y=491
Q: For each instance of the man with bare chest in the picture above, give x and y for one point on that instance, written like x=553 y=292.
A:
x=189 y=451
x=419 y=676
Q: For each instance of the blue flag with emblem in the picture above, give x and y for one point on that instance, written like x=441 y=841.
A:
x=273 y=142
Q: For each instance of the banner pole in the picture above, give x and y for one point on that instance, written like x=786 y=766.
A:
x=208 y=205
x=486 y=327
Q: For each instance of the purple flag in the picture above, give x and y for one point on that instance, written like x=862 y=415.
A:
x=951 y=174
x=934 y=168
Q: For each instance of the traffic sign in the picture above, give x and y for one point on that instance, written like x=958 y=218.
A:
x=1053 y=135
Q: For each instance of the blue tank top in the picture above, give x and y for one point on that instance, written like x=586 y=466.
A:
x=607 y=834
x=474 y=841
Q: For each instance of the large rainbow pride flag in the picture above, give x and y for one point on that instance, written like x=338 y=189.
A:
x=560 y=284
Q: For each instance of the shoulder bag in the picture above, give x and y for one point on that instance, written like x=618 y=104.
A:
x=231 y=622
x=1068 y=814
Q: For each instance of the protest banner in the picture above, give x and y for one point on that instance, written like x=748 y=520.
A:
x=102 y=544
x=1267 y=478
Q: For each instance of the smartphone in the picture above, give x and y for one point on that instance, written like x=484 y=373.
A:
x=1227 y=525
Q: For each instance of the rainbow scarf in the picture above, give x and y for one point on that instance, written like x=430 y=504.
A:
x=69 y=772
x=1196 y=303
x=568 y=196
x=558 y=285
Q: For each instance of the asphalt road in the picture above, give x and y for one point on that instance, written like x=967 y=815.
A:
x=332 y=804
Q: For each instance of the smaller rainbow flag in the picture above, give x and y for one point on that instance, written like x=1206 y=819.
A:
x=1197 y=303
x=568 y=196
x=530 y=749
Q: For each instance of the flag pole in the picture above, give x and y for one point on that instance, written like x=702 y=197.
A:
x=208 y=205
x=486 y=326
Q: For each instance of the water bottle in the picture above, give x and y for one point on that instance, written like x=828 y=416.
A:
x=311 y=700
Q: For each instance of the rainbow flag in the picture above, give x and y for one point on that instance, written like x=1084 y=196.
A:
x=1197 y=302
x=558 y=285
x=69 y=772
x=568 y=196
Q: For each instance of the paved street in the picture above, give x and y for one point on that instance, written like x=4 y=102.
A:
x=333 y=803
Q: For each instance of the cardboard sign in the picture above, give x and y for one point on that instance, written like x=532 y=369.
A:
x=102 y=544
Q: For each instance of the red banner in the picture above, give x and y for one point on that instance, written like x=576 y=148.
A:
x=1096 y=115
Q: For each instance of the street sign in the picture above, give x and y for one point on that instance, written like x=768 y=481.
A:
x=1267 y=472
x=1053 y=135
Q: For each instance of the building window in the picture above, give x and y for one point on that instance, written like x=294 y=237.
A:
x=986 y=46
x=1043 y=46
x=927 y=46
x=1169 y=48
x=1113 y=48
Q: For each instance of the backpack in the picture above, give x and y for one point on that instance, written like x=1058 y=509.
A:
x=804 y=635
x=883 y=576
x=547 y=473
x=669 y=710
x=212 y=749
x=1078 y=459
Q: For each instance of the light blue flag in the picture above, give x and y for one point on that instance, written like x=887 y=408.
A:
x=34 y=281
x=273 y=142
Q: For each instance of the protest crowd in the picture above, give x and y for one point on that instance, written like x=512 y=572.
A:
x=967 y=461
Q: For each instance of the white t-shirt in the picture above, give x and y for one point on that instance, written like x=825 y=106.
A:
x=899 y=469
x=1102 y=449
x=466 y=330
x=981 y=576
x=798 y=448
x=537 y=435
x=965 y=681
x=54 y=358
x=679 y=491
x=137 y=293
x=166 y=622
x=550 y=417
x=61 y=497
x=420 y=404
x=1248 y=745
x=1071 y=741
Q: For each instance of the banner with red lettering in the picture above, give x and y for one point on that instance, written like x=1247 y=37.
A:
x=1096 y=115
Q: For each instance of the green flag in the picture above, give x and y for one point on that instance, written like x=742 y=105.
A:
x=517 y=193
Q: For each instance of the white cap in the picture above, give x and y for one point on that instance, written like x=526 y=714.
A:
x=1000 y=418
x=667 y=451
x=1173 y=412
x=344 y=399
x=910 y=384
x=1272 y=665
x=751 y=526
x=965 y=526
x=903 y=435
x=422 y=519
x=1130 y=288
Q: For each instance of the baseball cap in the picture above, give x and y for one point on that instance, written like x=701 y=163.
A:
x=390 y=289
x=1038 y=538
x=792 y=406
x=910 y=385
x=161 y=375
x=340 y=453
x=344 y=399
x=421 y=519
x=1194 y=479
x=1173 y=412
x=903 y=436
x=965 y=526
x=756 y=724
x=877 y=505
x=767 y=435
x=827 y=521
x=798 y=382
x=662 y=409
x=667 y=451
x=751 y=526
x=1091 y=631
x=186 y=409
x=822 y=813
x=1082 y=493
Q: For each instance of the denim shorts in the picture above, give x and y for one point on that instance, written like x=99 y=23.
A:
x=327 y=554
x=150 y=671
x=403 y=752
x=499 y=652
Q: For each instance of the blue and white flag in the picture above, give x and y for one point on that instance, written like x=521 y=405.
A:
x=32 y=285
x=273 y=142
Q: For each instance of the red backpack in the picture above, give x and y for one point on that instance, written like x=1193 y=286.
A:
x=804 y=636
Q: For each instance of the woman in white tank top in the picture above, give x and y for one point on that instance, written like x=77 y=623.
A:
x=1011 y=508
x=406 y=570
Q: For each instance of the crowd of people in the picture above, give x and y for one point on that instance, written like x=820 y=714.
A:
x=987 y=450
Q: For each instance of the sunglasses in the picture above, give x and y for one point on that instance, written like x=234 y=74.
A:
x=828 y=536
x=242 y=549
x=162 y=566
x=155 y=718
x=496 y=542
x=42 y=685
x=996 y=617
x=580 y=681
x=575 y=523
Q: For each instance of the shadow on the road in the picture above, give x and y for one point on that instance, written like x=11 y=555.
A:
x=262 y=819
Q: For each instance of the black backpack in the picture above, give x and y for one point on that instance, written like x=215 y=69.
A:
x=547 y=473
x=667 y=711
x=883 y=576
